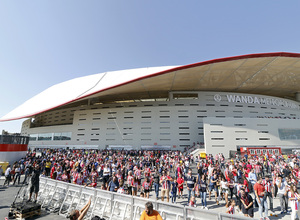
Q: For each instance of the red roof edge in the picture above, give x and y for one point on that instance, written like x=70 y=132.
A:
x=218 y=60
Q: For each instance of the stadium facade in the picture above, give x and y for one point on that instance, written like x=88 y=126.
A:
x=249 y=100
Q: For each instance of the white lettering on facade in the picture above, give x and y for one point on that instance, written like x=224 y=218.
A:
x=261 y=101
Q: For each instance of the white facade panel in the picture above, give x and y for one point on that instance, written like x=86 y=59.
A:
x=221 y=120
x=246 y=132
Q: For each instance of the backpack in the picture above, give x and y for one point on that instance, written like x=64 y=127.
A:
x=250 y=187
x=234 y=190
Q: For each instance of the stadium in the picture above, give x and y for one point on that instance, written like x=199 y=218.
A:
x=223 y=104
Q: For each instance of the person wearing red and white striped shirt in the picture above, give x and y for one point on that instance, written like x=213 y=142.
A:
x=269 y=191
x=129 y=182
x=230 y=207
x=294 y=198
x=165 y=189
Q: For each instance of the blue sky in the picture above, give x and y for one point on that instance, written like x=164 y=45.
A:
x=43 y=43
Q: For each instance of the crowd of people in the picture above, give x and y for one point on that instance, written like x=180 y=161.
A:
x=243 y=183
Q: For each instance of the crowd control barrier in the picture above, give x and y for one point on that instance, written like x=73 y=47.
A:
x=61 y=197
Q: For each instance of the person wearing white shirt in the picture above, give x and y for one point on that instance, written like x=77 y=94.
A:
x=282 y=194
x=7 y=176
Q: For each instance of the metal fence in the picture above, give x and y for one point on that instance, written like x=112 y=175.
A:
x=61 y=197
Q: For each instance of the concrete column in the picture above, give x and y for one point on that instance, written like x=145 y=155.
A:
x=298 y=96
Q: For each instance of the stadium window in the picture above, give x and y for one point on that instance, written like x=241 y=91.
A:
x=239 y=125
x=241 y=139
x=146 y=111
x=264 y=139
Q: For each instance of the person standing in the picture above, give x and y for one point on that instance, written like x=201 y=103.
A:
x=282 y=194
x=180 y=182
x=190 y=182
x=7 y=176
x=1 y=170
x=259 y=191
x=165 y=186
x=156 y=182
x=35 y=183
x=48 y=167
x=174 y=186
x=269 y=191
x=18 y=174
x=203 y=191
x=294 y=198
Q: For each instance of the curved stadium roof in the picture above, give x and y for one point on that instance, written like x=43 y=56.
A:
x=275 y=74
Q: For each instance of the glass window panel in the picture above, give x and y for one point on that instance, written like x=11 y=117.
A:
x=45 y=137
x=33 y=137
x=289 y=134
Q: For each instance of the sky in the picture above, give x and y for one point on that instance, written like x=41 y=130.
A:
x=43 y=43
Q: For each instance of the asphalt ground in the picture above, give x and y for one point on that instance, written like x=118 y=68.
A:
x=7 y=195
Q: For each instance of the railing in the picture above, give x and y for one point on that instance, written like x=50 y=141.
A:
x=61 y=197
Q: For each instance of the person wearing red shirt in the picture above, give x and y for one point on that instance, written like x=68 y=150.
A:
x=180 y=182
x=146 y=186
x=259 y=190
x=53 y=169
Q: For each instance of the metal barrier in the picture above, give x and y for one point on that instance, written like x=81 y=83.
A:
x=71 y=199
x=57 y=197
x=200 y=214
x=63 y=197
